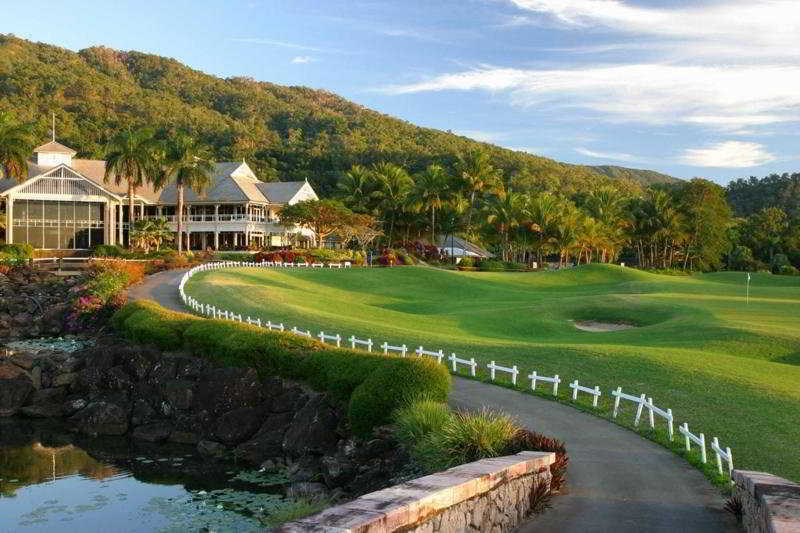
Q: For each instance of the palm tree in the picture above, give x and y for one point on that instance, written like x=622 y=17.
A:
x=431 y=190
x=131 y=156
x=566 y=233
x=357 y=188
x=544 y=210
x=15 y=147
x=189 y=164
x=395 y=186
x=504 y=213
x=477 y=175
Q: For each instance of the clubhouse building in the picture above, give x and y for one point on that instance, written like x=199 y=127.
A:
x=65 y=204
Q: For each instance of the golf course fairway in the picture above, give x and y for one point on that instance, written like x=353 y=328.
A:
x=728 y=366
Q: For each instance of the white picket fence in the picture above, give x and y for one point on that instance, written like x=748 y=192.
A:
x=641 y=401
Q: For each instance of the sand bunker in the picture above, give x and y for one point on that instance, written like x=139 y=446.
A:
x=599 y=327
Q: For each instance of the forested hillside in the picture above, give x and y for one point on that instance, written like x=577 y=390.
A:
x=286 y=133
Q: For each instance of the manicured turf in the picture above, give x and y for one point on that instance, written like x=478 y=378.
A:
x=728 y=368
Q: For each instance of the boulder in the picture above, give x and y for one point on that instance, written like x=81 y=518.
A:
x=238 y=425
x=65 y=380
x=162 y=371
x=313 y=429
x=100 y=358
x=267 y=443
x=224 y=389
x=155 y=432
x=209 y=448
x=15 y=388
x=142 y=412
x=51 y=395
x=289 y=400
x=184 y=437
x=116 y=378
x=44 y=410
x=138 y=360
x=179 y=393
x=101 y=418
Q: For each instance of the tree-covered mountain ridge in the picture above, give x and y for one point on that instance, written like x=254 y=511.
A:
x=285 y=133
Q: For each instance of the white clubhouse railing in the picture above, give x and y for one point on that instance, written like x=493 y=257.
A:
x=642 y=401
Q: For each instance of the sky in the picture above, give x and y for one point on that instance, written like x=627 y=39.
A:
x=706 y=88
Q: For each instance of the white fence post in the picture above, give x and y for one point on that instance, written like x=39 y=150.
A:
x=723 y=454
x=642 y=401
x=691 y=437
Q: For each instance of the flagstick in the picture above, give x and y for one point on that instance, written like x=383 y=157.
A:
x=747 y=302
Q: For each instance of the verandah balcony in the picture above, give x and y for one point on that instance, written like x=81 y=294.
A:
x=240 y=217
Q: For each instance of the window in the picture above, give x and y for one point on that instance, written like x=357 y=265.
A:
x=58 y=225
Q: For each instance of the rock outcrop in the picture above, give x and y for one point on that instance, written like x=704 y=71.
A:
x=115 y=388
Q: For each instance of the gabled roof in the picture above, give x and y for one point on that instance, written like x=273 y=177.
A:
x=280 y=192
x=230 y=182
x=54 y=147
x=451 y=241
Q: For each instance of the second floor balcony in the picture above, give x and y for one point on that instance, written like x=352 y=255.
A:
x=220 y=219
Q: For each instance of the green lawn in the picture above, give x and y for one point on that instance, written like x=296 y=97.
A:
x=728 y=369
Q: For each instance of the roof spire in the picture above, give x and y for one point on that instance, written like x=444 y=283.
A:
x=54 y=126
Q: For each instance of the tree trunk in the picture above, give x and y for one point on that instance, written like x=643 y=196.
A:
x=433 y=226
x=130 y=213
x=180 y=217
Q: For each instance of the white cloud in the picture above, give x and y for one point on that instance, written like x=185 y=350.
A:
x=299 y=60
x=724 y=97
x=614 y=156
x=729 y=154
x=735 y=28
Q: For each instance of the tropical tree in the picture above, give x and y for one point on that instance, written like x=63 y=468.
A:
x=188 y=163
x=323 y=216
x=15 y=146
x=149 y=233
x=132 y=157
x=476 y=175
x=394 y=187
x=504 y=213
x=431 y=191
x=356 y=189
x=544 y=211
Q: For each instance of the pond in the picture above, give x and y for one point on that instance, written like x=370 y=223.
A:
x=53 y=480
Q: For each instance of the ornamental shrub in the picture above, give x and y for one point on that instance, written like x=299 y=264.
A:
x=787 y=270
x=397 y=383
x=491 y=265
x=467 y=262
x=17 y=251
x=373 y=385
x=107 y=250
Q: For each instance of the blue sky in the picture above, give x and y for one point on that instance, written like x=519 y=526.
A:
x=691 y=88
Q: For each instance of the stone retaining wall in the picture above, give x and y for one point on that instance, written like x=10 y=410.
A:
x=489 y=495
x=770 y=504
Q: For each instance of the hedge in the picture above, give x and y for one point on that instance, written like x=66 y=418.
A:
x=372 y=385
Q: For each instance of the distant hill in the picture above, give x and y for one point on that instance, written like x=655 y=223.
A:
x=286 y=133
x=647 y=177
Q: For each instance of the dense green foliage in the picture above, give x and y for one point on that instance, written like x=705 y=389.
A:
x=287 y=133
x=727 y=367
x=373 y=385
x=768 y=223
x=18 y=252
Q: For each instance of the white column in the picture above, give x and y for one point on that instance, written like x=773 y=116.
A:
x=216 y=240
x=9 y=219
x=107 y=231
x=159 y=210
x=205 y=244
x=141 y=210
x=119 y=224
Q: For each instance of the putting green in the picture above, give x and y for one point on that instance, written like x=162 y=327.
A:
x=727 y=367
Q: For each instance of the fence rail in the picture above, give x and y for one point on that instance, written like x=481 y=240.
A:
x=642 y=401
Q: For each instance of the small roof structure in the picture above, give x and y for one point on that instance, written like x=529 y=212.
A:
x=455 y=246
x=54 y=147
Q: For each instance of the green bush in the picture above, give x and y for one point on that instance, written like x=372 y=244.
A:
x=510 y=265
x=491 y=265
x=415 y=422
x=147 y=322
x=779 y=261
x=22 y=251
x=107 y=250
x=374 y=385
x=467 y=437
x=394 y=385
x=467 y=262
x=787 y=270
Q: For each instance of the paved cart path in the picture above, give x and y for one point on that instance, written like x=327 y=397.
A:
x=616 y=482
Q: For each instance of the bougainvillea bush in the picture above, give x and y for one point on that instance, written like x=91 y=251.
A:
x=102 y=292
